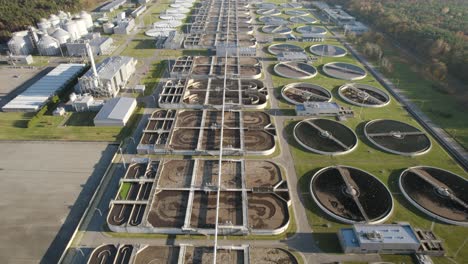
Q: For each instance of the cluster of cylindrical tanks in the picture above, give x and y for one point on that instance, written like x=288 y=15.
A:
x=51 y=34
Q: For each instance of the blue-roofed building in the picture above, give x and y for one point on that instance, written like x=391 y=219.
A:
x=38 y=94
x=385 y=239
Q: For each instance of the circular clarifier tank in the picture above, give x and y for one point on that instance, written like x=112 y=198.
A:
x=291 y=5
x=295 y=70
x=273 y=29
x=397 y=137
x=272 y=20
x=327 y=50
x=268 y=12
x=311 y=30
x=351 y=195
x=266 y=5
x=363 y=95
x=303 y=20
x=299 y=93
x=167 y=24
x=344 y=71
x=173 y=17
x=438 y=193
x=296 y=13
x=324 y=136
x=276 y=49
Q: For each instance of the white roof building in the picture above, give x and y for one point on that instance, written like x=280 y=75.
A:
x=39 y=93
x=386 y=238
x=116 y=112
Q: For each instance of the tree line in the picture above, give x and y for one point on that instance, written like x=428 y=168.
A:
x=16 y=15
x=436 y=30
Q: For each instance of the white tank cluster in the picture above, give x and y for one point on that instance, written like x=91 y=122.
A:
x=51 y=34
x=172 y=18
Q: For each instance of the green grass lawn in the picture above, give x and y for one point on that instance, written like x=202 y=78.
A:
x=74 y=127
x=386 y=167
x=124 y=189
x=13 y=127
x=443 y=108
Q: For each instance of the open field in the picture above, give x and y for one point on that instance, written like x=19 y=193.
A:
x=74 y=127
x=445 y=108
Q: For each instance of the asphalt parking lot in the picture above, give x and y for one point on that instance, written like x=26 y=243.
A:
x=45 y=189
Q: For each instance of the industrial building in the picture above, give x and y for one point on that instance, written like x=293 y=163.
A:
x=108 y=77
x=124 y=26
x=398 y=238
x=99 y=46
x=19 y=59
x=116 y=112
x=356 y=27
x=51 y=34
x=322 y=109
x=138 y=11
x=113 y=5
x=85 y=103
x=40 y=92
x=342 y=18
x=292 y=56
x=364 y=238
x=233 y=50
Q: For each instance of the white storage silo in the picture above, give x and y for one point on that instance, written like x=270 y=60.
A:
x=61 y=35
x=72 y=28
x=88 y=19
x=82 y=29
x=62 y=15
x=18 y=44
x=108 y=28
x=44 y=25
x=54 y=21
x=48 y=46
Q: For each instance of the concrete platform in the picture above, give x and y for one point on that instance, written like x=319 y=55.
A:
x=45 y=189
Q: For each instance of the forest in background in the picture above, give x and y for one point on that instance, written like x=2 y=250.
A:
x=436 y=30
x=17 y=15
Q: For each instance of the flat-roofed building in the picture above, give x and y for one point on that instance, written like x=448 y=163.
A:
x=116 y=112
x=37 y=95
x=387 y=239
x=99 y=46
x=124 y=26
x=113 y=5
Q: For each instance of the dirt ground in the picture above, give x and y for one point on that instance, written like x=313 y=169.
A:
x=202 y=255
x=157 y=254
x=168 y=209
x=266 y=211
x=204 y=209
x=271 y=256
x=261 y=173
x=207 y=173
x=176 y=174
